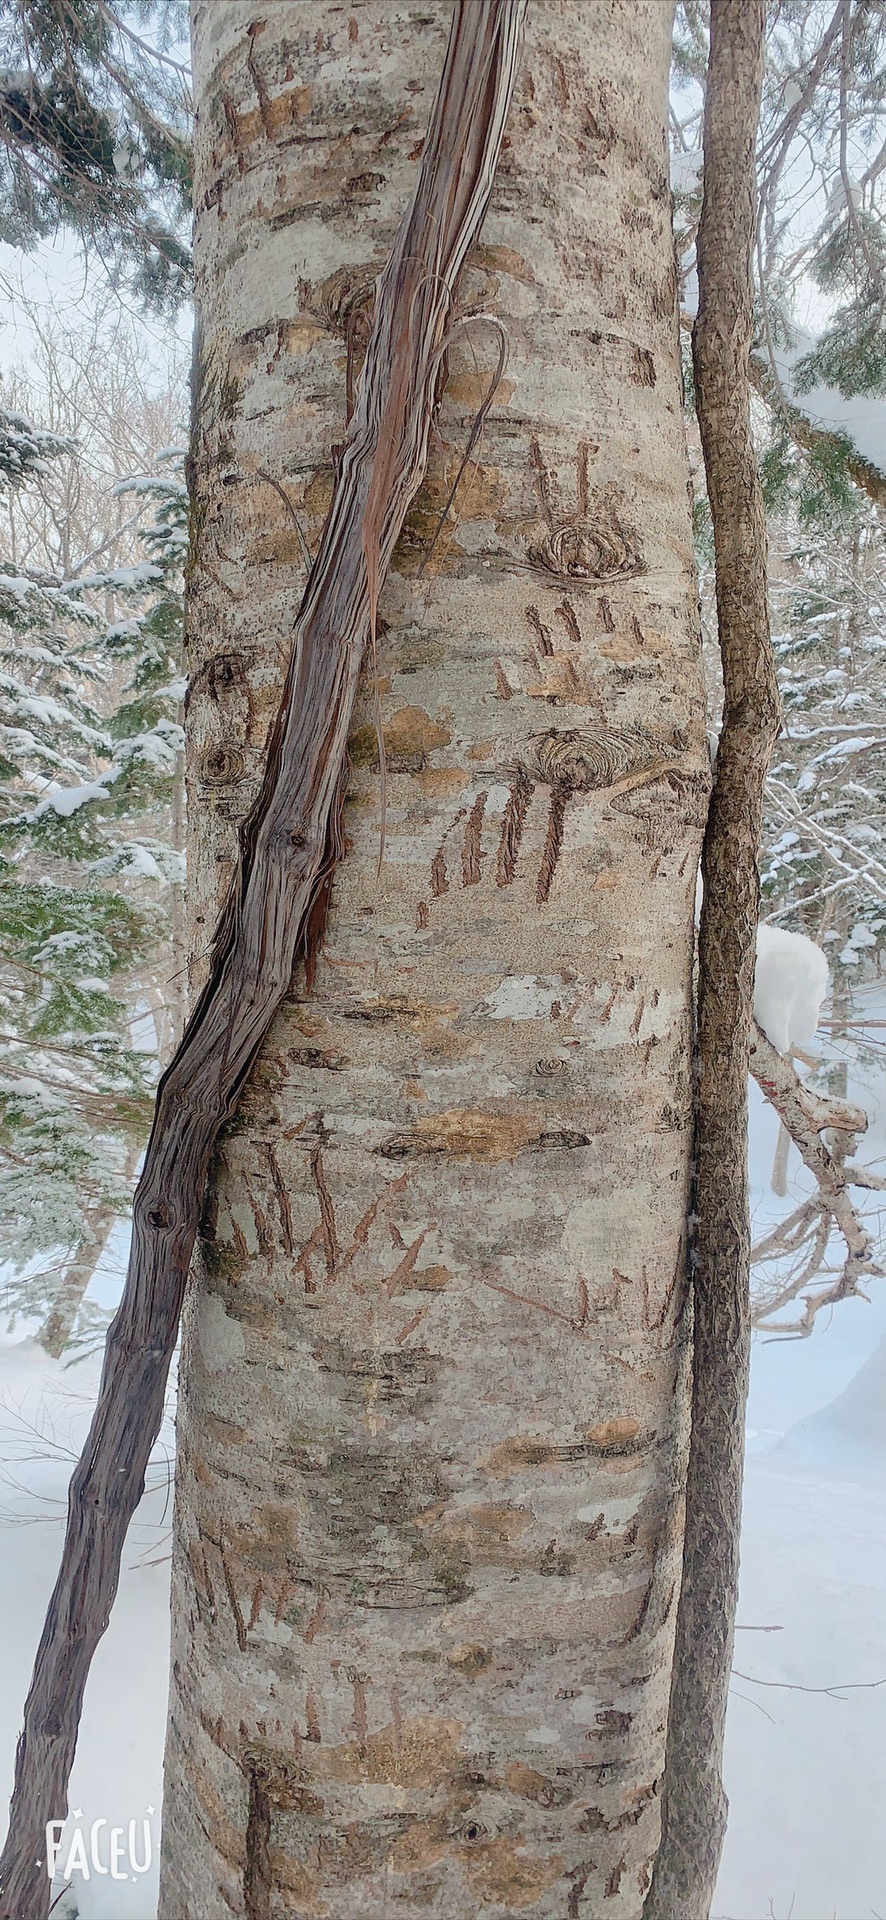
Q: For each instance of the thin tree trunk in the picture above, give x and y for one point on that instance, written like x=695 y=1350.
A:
x=694 y=1801
x=433 y=1397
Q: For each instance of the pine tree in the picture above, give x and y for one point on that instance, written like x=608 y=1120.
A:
x=94 y=133
x=90 y=737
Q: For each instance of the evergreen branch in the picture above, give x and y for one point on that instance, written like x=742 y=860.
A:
x=812 y=439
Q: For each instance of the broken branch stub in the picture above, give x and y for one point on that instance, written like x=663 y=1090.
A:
x=289 y=847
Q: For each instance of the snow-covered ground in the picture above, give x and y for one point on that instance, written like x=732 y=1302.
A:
x=806 y=1770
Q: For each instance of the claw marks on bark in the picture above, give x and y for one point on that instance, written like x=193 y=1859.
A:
x=439 y=876
x=663 y=1321
x=327 y=1212
x=316 y=1621
x=439 y=882
x=359 y=1718
x=261 y=91
x=204 y=1589
x=569 y=760
x=502 y=683
x=325 y=1234
x=590 y=543
x=239 y=1622
x=279 y=1186
x=553 y=844
x=579 y=1877
x=273 y=1599
x=367 y=1222
x=257 y=1876
x=541 y=632
x=513 y=823
x=471 y=851
x=406 y=1266
x=566 y=612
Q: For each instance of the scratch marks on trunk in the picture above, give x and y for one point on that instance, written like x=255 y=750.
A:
x=542 y=633
x=359 y=1717
x=325 y=1235
x=439 y=876
x=471 y=851
x=614 y=1880
x=406 y=1266
x=315 y=1622
x=579 y=1877
x=439 y=881
x=261 y=91
x=279 y=1185
x=553 y=844
x=566 y=612
x=327 y=1212
x=410 y=1326
x=312 y=1717
x=303 y=1263
x=239 y=1622
x=588 y=540
x=512 y=829
x=570 y=761
x=257 y=1877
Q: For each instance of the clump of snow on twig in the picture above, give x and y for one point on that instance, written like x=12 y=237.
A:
x=790 y=983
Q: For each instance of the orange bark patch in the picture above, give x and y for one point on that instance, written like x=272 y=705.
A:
x=531 y=1450
x=430 y=1279
x=418 y=1753
x=298 y=336
x=527 y=1784
x=412 y=734
x=615 y=1436
x=408 y=739
x=472 y=1133
x=472 y=389
x=224 y=1431
x=284 y=110
x=282 y=547
x=507 y=1876
x=484 y=1532
x=421 y=1845
x=439 y=782
x=296 y=1887
x=317 y=496
x=504 y=260
x=469 y=1659
x=623 y=647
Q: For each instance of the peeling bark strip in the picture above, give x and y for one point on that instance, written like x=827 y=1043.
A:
x=258 y=1883
x=694 y=1815
x=290 y=845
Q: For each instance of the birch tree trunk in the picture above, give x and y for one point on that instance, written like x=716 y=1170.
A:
x=433 y=1386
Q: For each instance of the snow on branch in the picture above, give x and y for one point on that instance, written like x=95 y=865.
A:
x=825 y=1131
x=790 y=985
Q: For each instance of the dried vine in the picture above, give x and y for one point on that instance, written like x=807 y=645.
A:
x=694 y=1808
x=289 y=848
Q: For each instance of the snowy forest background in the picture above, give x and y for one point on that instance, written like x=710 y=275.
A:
x=94 y=354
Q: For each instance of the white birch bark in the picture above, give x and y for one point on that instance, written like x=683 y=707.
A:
x=428 y=1513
